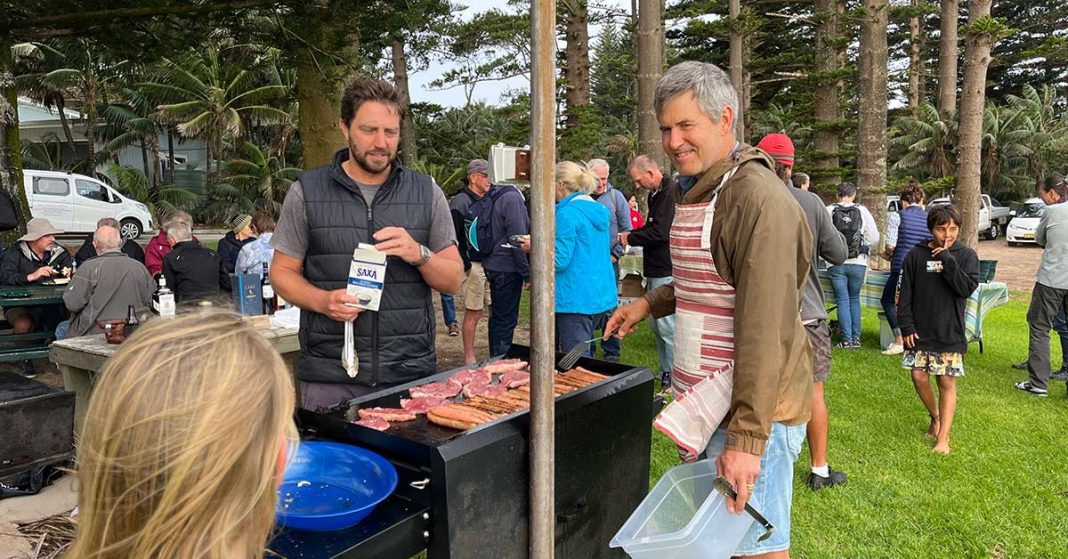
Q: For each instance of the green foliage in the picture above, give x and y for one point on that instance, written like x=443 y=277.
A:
x=577 y=142
x=161 y=200
x=254 y=181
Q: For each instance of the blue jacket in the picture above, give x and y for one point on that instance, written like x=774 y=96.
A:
x=912 y=231
x=509 y=218
x=585 y=280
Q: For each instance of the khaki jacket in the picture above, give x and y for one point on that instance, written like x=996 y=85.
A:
x=103 y=289
x=762 y=245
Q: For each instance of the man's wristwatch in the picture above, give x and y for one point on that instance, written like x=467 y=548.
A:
x=424 y=256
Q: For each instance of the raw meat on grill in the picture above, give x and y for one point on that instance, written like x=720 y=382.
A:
x=376 y=423
x=470 y=376
x=480 y=389
x=389 y=414
x=446 y=389
x=421 y=405
x=505 y=365
x=515 y=379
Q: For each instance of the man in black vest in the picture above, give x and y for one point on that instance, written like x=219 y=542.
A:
x=365 y=196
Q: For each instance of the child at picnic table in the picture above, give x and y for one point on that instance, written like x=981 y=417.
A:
x=937 y=278
x=185 y=442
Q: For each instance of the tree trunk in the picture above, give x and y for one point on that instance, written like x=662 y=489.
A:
x=170 y=151
x=144 y=159
x=577 y=56
x=978 y=45
x=916 y=41
x=650 y=53
x=737 y=68
x=319 y=97
x=828 y=94
x=10 y=152
x=65 y=123
x=947 y=59
x=871 y=133
x=400 y=75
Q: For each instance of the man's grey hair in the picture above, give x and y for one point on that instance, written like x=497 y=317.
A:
x=106 y=238
x=643 y=163
x=178 y=216
x=109 y=221
x=595 y=164
x=180 y=231
x=710 y=85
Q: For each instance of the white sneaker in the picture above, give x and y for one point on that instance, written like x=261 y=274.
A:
x=894 y=349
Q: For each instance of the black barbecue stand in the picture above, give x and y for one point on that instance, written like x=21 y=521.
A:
x=464 y=494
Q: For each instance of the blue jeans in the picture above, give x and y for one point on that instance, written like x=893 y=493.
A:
x=1060 y=325
x=448 y=308
x=774 y=489
x=572 y=328
x=610 y=349
x=847 y=280
x=63 y=330
x=889 y=301
x=664 y=329
x=506 y=288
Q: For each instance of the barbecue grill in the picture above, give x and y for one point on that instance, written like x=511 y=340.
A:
x=464 y=494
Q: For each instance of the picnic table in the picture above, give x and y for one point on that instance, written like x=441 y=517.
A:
x=80 y=359
x=987 y=296
x=31 y=345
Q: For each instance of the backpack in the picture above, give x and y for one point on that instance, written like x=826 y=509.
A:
x=850 y=223
x=9 y=213
x=478 y=225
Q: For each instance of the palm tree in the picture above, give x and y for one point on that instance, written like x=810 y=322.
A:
x=1005 y=151
x=161 y=200
x=256 y=181
x=1045 y=120
x=924 y=142
x=130 y=123
x=78 y=73
x=209 y=98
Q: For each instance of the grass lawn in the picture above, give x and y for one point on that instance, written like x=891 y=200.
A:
x=1003 y=492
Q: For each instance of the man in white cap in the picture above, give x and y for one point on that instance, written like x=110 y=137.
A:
x=34 y=259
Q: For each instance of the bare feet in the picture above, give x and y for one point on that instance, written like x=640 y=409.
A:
x=932 y=431
x=941 y=448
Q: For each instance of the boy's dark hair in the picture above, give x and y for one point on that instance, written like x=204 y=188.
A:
x=847 y=189
x=363 y=90
x=912 y=192
x=941 y=215
x=263 y=222
x=1054 y=183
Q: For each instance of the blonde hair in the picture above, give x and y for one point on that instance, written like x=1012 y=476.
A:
x=179 y=454
x=575 y=177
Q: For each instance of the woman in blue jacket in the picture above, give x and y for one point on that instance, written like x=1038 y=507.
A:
x=585 y=282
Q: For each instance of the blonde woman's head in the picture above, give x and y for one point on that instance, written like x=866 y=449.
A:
x=572 y=177
x=184 y=442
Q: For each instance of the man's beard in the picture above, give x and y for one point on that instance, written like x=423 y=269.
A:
x=366 y=165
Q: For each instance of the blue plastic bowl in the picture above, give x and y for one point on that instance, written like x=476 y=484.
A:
x=332 y=486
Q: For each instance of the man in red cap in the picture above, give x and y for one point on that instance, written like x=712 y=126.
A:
x=831 y=246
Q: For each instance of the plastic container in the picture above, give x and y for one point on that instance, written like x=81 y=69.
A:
x=683 y=517
x=886 y=334
x=332 y=486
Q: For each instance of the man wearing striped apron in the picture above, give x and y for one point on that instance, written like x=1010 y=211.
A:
x=740 y=250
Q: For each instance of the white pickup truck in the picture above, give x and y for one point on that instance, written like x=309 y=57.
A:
x=993 y=217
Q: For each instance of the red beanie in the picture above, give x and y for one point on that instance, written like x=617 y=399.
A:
x=779 y=147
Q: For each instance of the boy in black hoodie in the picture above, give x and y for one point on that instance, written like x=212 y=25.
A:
x=937 y=278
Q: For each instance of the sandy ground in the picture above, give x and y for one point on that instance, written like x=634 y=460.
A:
x=1017 y=265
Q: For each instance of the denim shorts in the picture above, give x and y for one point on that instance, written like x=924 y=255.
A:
x=774 y=487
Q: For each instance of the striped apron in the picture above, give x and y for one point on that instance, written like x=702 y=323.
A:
x=703 y=371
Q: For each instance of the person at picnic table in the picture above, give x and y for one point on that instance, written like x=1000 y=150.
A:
x=35 y=259
x=259 y=252
x=741 y=352
x=364 y=195
x=905 y=229
x=241 y=233
x=88 y=249
x=193 y=271
x=167 y=463
x=937 y=277
x=159 y=246
x=585 y=280
x=105 y=287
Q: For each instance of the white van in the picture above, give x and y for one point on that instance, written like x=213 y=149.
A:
x=74 y=203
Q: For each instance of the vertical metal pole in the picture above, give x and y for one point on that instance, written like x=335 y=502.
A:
x=542 y=275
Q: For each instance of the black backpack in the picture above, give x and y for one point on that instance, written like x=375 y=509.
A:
x=478 y=224
x=850 y=223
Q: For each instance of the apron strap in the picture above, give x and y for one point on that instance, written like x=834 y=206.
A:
x=706 y=228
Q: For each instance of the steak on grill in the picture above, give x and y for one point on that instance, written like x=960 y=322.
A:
x=478 y=389
x=471 y=376
x=440 y=389
x=515 y=379
x=376 y=423
x=422 y=404
x=505 y=365
x=389 y=414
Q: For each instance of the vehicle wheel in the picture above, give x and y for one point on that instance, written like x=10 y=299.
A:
x=994 y=231
x=130 y=228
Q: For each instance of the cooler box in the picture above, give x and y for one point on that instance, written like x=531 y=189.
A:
x=684 y=517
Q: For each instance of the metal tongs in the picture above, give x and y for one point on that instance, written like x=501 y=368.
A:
x=723 y=486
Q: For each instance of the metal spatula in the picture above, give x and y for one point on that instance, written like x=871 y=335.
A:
x=571 y=357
